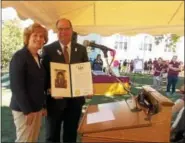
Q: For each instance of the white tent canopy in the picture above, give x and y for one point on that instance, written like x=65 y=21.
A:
x=107 y=17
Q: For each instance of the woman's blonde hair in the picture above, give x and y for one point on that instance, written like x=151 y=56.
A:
x=32 y=28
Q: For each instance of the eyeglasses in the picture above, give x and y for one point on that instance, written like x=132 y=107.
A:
x=63 y=29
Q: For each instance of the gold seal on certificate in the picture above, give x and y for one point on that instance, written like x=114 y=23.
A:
x=71 y=80
x=77 y=92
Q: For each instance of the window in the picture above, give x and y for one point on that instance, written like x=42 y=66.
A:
x=150 y=47
x=174 y=50
x=165 y=49
x=169 y=49
x=125 y=46
x=120 y=46
x=116 y=45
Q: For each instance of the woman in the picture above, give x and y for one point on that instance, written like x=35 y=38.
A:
x=98 y=63
x=27 y=85
x=157 y=77
x=173 y=71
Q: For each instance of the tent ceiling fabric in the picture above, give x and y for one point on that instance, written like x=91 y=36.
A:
x=107 y=17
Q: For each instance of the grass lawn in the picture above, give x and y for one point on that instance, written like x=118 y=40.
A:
x=8 y=128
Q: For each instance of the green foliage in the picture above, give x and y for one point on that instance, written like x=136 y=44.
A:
x=170 y=41
x=12 y=40
x=158 y=39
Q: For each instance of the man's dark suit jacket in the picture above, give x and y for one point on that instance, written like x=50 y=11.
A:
x=26 y=82
x=53 y=53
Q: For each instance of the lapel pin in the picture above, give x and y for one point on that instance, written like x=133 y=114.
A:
x=41 y=61
x=59 y=52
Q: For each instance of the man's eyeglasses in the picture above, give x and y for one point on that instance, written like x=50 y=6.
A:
x=63 y=29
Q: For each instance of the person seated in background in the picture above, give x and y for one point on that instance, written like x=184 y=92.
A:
x=178 y=126
x=98 y=63
x=179 y=103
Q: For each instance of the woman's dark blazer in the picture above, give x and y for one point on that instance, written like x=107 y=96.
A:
x=26 y=82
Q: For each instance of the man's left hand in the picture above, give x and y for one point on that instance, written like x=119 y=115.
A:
x=89 y=96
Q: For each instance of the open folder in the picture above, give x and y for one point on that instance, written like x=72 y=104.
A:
x=71 y=80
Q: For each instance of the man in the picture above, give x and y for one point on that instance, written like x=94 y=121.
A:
x=65 y=110
x=173 y=72
x=98 y=63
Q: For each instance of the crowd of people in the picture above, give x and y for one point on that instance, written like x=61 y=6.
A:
x=163 y=71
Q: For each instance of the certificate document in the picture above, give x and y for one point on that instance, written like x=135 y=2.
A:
x=71 y=80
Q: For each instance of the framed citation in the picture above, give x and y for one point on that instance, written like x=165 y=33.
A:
x=71 y=80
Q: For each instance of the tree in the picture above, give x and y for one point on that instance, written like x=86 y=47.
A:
x=170 y=40
x=12 y=40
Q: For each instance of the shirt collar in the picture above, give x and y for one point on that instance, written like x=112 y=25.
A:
x=68 y=45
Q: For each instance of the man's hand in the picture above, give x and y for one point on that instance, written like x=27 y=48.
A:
x=29 y=118
x=44 y=112
x=89 y=96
